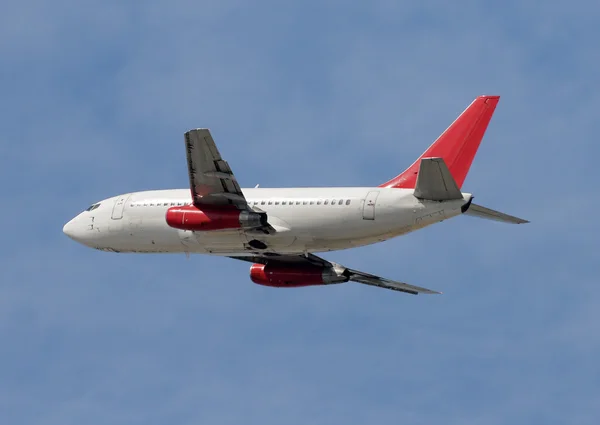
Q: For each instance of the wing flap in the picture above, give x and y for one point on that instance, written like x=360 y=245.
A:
x=434 y=181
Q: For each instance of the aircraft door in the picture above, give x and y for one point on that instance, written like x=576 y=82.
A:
x=117 y=212
x=369 y=205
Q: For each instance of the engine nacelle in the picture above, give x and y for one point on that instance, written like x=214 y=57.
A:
x=286 y=276
x=189 y=217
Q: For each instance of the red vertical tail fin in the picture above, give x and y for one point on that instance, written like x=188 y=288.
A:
x=457 y=145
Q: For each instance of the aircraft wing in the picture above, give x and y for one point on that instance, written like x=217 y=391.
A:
x=211 y=180
x=350 y=274
x=369 y=279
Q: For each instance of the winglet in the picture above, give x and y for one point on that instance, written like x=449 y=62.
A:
x=457 y=145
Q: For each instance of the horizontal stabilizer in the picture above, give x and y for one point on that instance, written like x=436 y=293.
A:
x=483 y=212
x=434 y=181
x=369 y=279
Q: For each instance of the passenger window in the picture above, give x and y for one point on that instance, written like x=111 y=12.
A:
x=311 y=202
x=340 y=202
x=333 y=202
x=145 y=204
x=262 y=202
x=326 y=201
x=283 y=203
x=348 y=202
x=166 y=204
x=297 y=202
x=304 y=202
x=318 y=202
x=270 y=202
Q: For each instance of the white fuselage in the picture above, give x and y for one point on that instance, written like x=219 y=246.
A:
x=305 y=220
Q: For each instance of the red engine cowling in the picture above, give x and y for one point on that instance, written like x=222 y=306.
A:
x=189 y=217
x=285 y=276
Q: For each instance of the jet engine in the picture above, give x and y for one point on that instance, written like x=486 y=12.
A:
x=293 y=276
x=190 y=217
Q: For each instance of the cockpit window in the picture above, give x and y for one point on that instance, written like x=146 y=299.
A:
x=93 y=207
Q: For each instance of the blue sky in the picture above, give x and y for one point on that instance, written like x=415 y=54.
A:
x=95 y=100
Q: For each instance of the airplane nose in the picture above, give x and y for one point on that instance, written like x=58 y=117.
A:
x=70 y=229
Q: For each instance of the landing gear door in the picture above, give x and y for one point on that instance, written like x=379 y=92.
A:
x=369 y=205
x=117 y=212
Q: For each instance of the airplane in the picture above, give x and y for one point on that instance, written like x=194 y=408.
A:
x=279 y=230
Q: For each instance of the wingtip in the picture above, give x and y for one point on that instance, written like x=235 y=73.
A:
x=429 y=292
